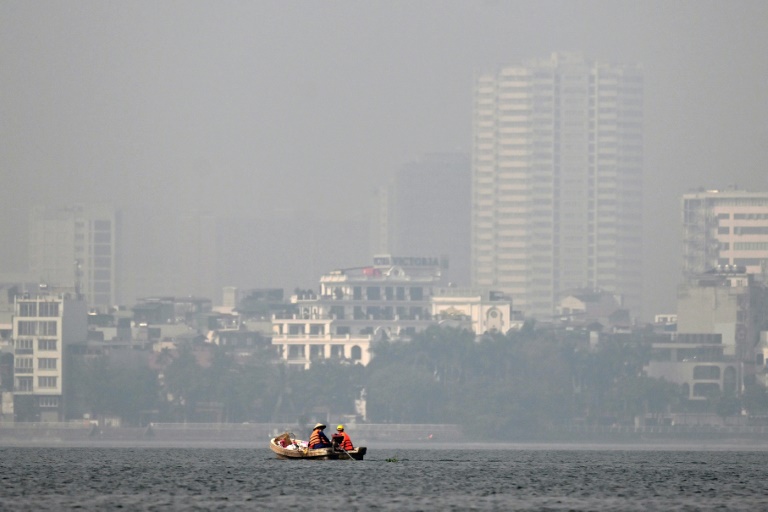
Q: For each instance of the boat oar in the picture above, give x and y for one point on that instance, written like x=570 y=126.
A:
x=345 y=451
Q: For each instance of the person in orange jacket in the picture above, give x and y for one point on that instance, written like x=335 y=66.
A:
x=345 y=443
x=318 y=439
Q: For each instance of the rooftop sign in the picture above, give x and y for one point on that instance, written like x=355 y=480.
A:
x=386 y=260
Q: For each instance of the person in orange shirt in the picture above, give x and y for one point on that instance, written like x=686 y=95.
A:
x=345 y=443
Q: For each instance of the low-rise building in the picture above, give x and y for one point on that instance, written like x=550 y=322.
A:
x=43 y=325
x=697 y=362
x=478 y=310
x=393 y=299
x=356 y=306
x=715 y=350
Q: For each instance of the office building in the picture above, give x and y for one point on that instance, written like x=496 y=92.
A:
x=77 y=247
x=427 y=212
x=557 y=181
x=725 y=228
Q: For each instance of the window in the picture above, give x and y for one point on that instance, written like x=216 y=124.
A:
x=417 y=293
x=751 y=246
x=706 y=372
x=23 y=384
x=373 y=293
x=27 y=328
x=46 y=344
x=707 y=389
x=101 y=286
x=746 y=262
x=23 y=344
x=356 y=353
x=316 y=352
x=723 y=231
x=27 y=309
x=49 y=401
x=102 y=274
x=751 y=230
x=49 y=309
x=47 y=382
x=23 y=365
x=295 y=351
x=46 y=363
x=47 y=328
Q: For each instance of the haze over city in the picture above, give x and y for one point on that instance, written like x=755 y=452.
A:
x=268 y=110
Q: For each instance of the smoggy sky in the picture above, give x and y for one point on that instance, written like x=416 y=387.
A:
x=247 y=108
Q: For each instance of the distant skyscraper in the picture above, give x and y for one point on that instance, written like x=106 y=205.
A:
x=727 y=227
x=77 y=247
x=425 y=211
x=557 y=181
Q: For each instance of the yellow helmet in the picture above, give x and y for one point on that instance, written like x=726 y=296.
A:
x=340 y=427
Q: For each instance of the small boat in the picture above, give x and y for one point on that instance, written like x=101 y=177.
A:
x=286 y=446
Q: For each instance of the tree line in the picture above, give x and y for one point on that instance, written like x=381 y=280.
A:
x=495 y=386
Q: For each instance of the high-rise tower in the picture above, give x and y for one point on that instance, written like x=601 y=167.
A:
x=425 y=211
x=557 y=181
x=77 y=247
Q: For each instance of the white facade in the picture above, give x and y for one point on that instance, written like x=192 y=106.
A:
x=354 y=307
x=557 y=181
x=77 y=247
x=42 y=325
x=725 y=228
x=486 y=312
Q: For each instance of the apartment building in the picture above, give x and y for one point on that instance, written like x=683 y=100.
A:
x=557 y=181
x=43 y=325
x=728 y=227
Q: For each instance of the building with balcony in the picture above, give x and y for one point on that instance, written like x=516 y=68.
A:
x=728 y=227
x=390 y=299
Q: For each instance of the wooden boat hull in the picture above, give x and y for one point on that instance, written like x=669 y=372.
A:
x=317 y=454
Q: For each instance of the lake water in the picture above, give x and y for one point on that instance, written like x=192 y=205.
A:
x=476 y=478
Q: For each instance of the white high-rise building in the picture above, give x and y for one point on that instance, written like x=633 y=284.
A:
x=557 y=181
x=728 y=227
x=77 y=247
